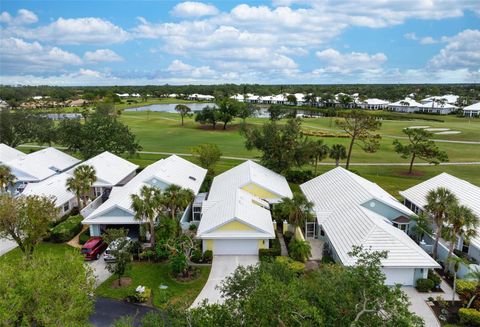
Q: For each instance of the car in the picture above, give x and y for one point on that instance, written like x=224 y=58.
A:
x=93 y=248
x=108 y=256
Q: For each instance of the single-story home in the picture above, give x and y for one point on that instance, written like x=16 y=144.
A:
x=110 y=171
x=373 y=104
x=467 y=194
x=472 y=110
x=408 y=105
x=352 y=211
x=447 y=98
x=8 y=153
x=117 y=211
x=236 y=218
x=435 y=107
x=39 y=165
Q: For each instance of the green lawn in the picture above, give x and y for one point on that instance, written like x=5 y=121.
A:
x=42 y=249
x=153 y=275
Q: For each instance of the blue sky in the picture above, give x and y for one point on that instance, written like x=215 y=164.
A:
x=276 y=42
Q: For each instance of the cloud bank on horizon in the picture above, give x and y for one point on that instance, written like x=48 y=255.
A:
x=272 y=42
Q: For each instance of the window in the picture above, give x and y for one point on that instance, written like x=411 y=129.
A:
x=197 y=213
x=66 y=207
x=465 y=246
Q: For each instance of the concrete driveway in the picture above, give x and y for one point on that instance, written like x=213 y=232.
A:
x=6 y=245
x=99 y=270
x=222 y=266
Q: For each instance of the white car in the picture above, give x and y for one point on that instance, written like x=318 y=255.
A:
x=107 y=255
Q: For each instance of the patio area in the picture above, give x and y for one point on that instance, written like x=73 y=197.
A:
x=317 y=249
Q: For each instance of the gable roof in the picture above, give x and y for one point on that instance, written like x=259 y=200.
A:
x=473 y=107
x=8 y=153
x=407 y=102
x=109 y=169
x=246 y=173
x=39 y=165
x=338 y=196
x=54 y=186
x=172 y=170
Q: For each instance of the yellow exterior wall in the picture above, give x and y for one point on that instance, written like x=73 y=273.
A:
x=259 y=191
x=209 y=245
x=235 y=226
x=299 y=234
x=262 y=244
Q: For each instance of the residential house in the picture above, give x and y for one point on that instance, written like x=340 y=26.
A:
x=435 y=107
x=352 y=211
x=117 y=211
x=39 y=165
x=236 y=218
x=373 y=104
x=201 y=97
x=407 y=105
x=467 y=194
x=472 y=110
x=8 y=153
x=446 y=99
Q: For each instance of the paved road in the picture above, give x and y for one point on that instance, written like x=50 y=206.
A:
x=107 y=311
x=222 y=266
x=6 y=245
x=99 y=270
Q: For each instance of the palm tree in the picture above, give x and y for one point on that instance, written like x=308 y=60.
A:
x=463 y=224
x=81 y=182
x=438 y=202
x=319 y=151
x=6 y=178
x=456 y=265
x=338 y=152
x=147 y=205
x=183 y=110
x=176 y=198
x=296 y=210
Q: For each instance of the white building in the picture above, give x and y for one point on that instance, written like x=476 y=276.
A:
x=122 y=95
x=201 y=97
x=467 y=194
x=236 y=217
x=435 y=107
x=447 y=98
x=8 y=153
x=472 y=110
x=117 y=211
x=352 y=211
x=408 y=105
x=373 y=104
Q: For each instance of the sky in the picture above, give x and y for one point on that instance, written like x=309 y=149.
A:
x=269 y=42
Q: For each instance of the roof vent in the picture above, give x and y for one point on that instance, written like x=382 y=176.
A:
x=192 y=178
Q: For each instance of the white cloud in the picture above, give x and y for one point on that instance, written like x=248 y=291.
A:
x=422 y=40
x=102 y=55
x=18 y=56
x=193 y=9
x=88 y=73
x=23 y=17
x=462 y=51
x=180 y=68
x=335 y=62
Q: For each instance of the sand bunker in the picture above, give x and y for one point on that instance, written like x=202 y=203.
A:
x=418 y=127
x=447 y=132
x=437 y=129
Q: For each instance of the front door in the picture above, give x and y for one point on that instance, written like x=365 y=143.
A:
x=310 y=229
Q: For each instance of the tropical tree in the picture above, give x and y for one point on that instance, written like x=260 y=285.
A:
x=119 y=248
x=438 y=203
x=361 y=126
x=183 y=110
x=299 y=250
x=26 y=220
x=463 y=223
x=147 y=206
x=296 y=210
x=420 y=146
x=338 y=152
x=6 y=178
x=318 y=151
x=81 y=182
x=456 y=261
x=246 y=110
x=176 y=198
x=292 y=99
x=422 y=225
x=345 y=100
x=208 y=155
x=227 y=111
x=208 y=115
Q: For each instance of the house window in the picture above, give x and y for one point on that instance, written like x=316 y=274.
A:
x=197 y=213
x=465 y=246
x=66 y=207
x=98 y=191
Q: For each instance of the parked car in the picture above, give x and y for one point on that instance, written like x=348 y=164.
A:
x=93 y=248
x=108 y=256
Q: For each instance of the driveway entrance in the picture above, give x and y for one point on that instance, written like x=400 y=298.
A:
x=222 y=266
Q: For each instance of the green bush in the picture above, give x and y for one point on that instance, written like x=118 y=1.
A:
x=196 y=256
x=424 y=284
x=469 y=317
x=66 y=230
x=287 y=236
x=299 y=250
x=435 y=278
x=84 y=236
x=299 y=176
x=161 y=253
x=140 y=297
x=464 y=285
x=178 y=263
x=295 y=266
x=192 y=227
x=267 y=254
x=207 y=256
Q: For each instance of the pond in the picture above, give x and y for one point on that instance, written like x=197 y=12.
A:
x=63 y=116
x=170 y=107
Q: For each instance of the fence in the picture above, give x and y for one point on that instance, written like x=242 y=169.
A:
x=85 y=212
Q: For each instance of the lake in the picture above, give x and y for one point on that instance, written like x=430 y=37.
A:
x=170 y=107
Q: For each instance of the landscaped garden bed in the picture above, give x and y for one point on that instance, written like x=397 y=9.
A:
x=446 y=311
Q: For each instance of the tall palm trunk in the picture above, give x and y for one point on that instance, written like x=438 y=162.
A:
x=337 y=162
x=450 y=251
x=437 y=239
x=152 y=234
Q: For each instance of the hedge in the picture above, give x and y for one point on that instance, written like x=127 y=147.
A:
x=267 y=254
x=435 y=278
x=66 y=230
x=424 y=285
x=296 y=266
x=469 y=317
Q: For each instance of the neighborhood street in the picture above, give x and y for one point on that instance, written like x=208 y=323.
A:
x=107 y=311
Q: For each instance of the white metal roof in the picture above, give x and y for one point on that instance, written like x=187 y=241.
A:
x=39 y=165
x=437 y=105
x=246 y=173
x=473 y=107
x=54 y=186
x=449 y=98
x=109 y=169
x=238 y=205
x=172 y=170
x=375 y=101
x=8 y=153
x=466 y=193
x=339 y=196
x=407 y=102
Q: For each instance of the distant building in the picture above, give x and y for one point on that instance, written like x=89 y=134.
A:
x=408 y=105
x=472 y=110
x=201 y=97
x=447 y=98
x=435 y=107
x=373 y=104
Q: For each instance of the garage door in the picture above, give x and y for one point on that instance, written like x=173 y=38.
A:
x=402 y=276
x=235 y=247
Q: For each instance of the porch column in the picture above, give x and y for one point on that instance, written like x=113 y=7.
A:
x=94 y=230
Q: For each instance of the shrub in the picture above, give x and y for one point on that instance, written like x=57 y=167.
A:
x=467 y=290
x=178 y=263
x=196 y=256
x=135 y=249
x=267 y=254
x=287 y=236
x=435 y=278
x=299 y=176
x=295 y=266
x=299 y=250
x=140 y=295
x=469 y=317
x=207 y=256
x=66 y=230
x=161 y=253
x=424 y=284
x=84 y=236
x=192 y=227
x=167 y=229
x=147 y=255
